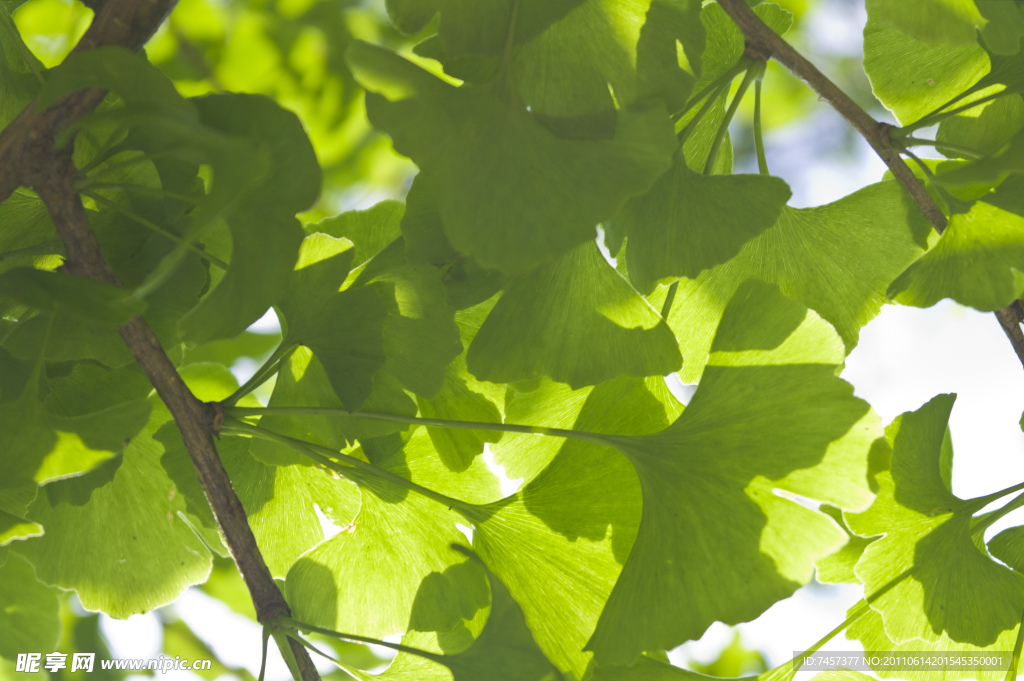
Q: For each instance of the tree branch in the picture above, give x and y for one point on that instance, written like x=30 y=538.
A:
x=764 y=43
x=28 y=156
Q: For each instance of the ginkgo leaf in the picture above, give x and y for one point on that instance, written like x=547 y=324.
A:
x=576 y=320
x=566 y=75
x=505 y=650
x=461 y=398
x=419 y=333
x=28 y=610
x=556 y=405
x=1004 y=27
x=515 y=194
x=934 y=21
x=466 y=282
x=928 y=577
x=20 y=71
x=469 y=28
x=1008 y=546
x=412 y=455
x=870 y=631
x=838 y=568
x=370 y=230
x=273 y=496
x=321 y=318
x=986 y=128
x=560 y=542
x=768 y=414
x=393 y=570
x=978 y=261
x=52 y=291
x=992 y=168
x=302 y=382
x=72 y=432
x=647 y=668
x=13 y=527
x=912 y=77
x=131 y=508
x=725 y=43
x=265 y=235
x=843 y=274
x=689 y=222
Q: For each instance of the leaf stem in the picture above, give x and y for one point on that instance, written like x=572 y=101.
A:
x=762 y=158
x=670 y=297
x=295 y=625
x=986 y=522
x=270 y=367
x=958 y=148
x=332 y=459
x=132 y=215
x=723 y=127
x=715 y=85
x=419 y=420
x=939 y=116
x=691 y=125
x=138 y=188
x=1011 y=673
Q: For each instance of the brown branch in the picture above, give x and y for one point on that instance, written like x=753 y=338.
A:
x=29 y=156
x=762 y=42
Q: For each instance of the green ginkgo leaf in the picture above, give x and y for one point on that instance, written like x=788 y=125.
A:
x=769 y=414
x=934 y=21
x=393 y=570
x=370 y=230
x=576 y=320
x=689 y=222
x=302 y=382
x=514 y=194
x=273 y=496
x=461 y=398
x=28 y=610
x=131 y=508
x=1004 y=27
x=978 y=261
x=318 y=316
x=21 y=74
x=992 y=168
x=505 y=650
x=560 y=542
x=928 y=577
x=1008 y=546
x=844 y=270
x=419 y=334
x=912 y=77
x=14 y=527
x=556 y=405
x=265 y=235
x=725 y=43
x=838 y=568
x=870 y=631
x=985 y=128
x=75 y=429
x=90 y=300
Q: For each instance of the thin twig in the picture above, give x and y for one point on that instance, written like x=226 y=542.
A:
x=762 y=40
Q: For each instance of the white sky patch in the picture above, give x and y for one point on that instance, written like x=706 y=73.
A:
x=328 y=526
x=508 y=487
x=268 y=323
x=681 y=391
x=466 y=530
